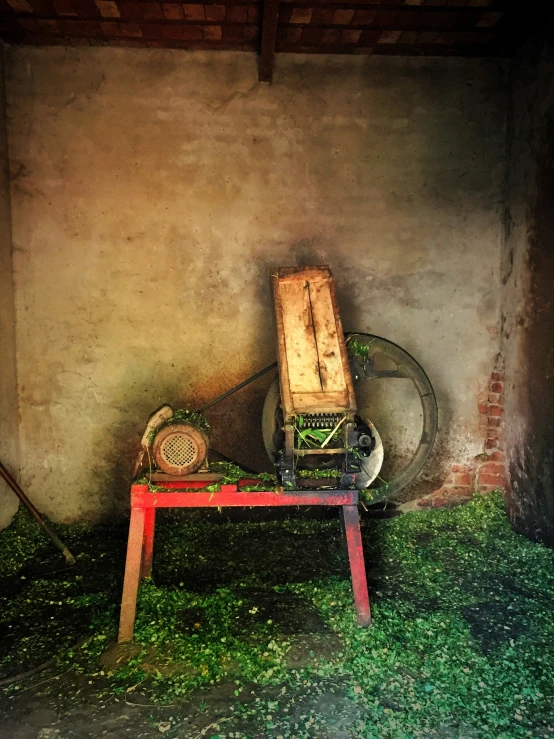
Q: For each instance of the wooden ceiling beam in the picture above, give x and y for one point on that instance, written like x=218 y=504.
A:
x=270 y=25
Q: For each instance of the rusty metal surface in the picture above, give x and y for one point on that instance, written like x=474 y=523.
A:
x=180 y=449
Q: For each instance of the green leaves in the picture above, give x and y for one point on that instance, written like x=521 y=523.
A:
x=461 y=642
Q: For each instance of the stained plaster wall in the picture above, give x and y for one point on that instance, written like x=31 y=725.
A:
x=153 y=193
x=528 y=289
x=8 y=378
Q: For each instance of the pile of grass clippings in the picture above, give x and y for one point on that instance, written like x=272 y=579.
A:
x=461 y=644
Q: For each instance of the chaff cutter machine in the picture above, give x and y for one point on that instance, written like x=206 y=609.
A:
x=310 y=423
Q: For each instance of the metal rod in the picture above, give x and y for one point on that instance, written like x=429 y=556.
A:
x=238 y=387
x=69 y=558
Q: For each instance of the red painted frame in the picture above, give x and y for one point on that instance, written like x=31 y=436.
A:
x=140 y=547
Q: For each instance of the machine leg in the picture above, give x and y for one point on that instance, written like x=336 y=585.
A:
x=351 y=520
x=133 y=565
x=148 y=545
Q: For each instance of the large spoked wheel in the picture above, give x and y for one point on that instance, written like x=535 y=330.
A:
x=363 y=352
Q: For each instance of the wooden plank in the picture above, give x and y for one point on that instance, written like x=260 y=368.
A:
x=343 y=352
x=269 y=40
x=286 y=399
x=320 y=402
x=331 y=369
x=313 y=363
x=300 y=340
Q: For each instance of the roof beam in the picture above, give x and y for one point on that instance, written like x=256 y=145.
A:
x=269 y=40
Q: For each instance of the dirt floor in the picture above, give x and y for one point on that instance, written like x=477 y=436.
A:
x=247 y=630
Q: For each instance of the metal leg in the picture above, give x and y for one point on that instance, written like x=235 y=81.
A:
x=148 y=543
x=132 y=575
x=349 y=515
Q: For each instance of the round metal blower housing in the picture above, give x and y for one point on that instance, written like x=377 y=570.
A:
x=180 y=449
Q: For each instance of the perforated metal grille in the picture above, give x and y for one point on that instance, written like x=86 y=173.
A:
x=179 y=450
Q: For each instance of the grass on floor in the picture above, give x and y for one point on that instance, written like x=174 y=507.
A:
x=461 y=643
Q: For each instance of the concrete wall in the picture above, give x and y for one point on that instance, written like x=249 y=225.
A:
x=528 y=295
x=153 y=192
x=8 y=377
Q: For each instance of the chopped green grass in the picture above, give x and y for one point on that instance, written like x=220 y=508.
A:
x=461 y=643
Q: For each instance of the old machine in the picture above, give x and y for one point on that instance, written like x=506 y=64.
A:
x=311 y=425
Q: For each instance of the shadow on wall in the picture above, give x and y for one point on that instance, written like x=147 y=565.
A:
x=236 y=421
x=531 y=501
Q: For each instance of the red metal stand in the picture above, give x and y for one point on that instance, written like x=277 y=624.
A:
x=140 y=547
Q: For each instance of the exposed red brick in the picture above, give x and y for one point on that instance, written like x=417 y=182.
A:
x=488 y=488
x=151 y=11
x=497 y=387
x=311 y=36
x=250 y=33
x=389 y=37
x=350 y=36
x=64 y=7
x=111 y=29
x=151 y=30
x=496 y=398
x=29 y=24
x=191 y=33
x=131 y=11
x=491 y=443
x=131 y=29
x=236 y=13
x=483 y=408
x=330 y=36
x=50 y=27
x=233 y=33
x=343 y=16
x=172 y=31
x=20 y=6
x=290 y=35
x=385 y=18
x=369 y=37
x=215 y=12
x=301 y=15
x=496 y=457
x=108 y=9
x=323 y=16
x=91 y=28
x=495 y=421
x=495 y=468
x=428 y=37
x=86 y=9
x=212 y=32
x=460 y=468
x=71 y=27
x=409 y=37
x=486 y=478
x=463 y=479
x=496 y=410
x=363 y=17
x=438 y=501
x=497 y=376
x=172 y=11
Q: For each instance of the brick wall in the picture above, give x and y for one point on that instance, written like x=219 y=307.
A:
x=486 y=471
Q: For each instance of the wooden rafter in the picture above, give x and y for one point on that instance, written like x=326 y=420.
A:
x=269 y=40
